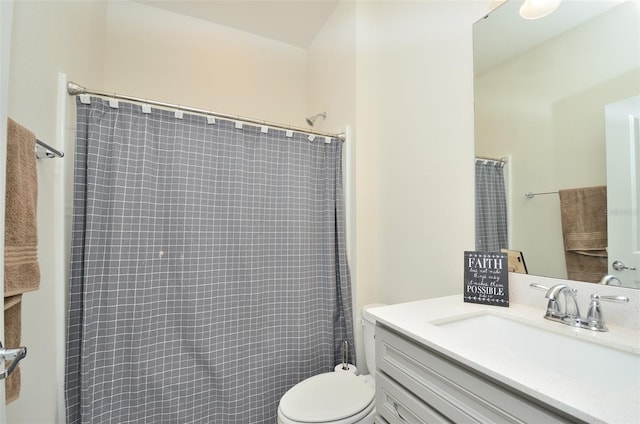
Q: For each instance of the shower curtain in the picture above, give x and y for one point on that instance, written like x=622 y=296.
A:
x=491 y=206
x=208 y=269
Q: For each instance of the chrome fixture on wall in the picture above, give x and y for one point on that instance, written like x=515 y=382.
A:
x=566 y=311
x=312 y=119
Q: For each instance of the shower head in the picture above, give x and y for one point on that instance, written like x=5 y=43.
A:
x=312 y=120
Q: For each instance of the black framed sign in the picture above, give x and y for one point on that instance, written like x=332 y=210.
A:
x=486 y=278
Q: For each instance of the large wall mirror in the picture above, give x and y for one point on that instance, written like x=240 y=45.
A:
x=541 y=90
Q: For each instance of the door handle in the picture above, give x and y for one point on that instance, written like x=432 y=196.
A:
x=14 y=355
x=620 y=266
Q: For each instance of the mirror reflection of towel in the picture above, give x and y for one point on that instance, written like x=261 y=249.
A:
x=584 y=231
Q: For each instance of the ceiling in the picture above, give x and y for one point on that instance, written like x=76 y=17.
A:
x=294 y=22
x=503 y=34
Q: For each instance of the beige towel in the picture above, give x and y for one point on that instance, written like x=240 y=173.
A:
x=12 y=329
x=584 y=230
x=22 y=273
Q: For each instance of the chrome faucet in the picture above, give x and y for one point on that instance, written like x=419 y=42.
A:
x=563 y=307
x=565 y=310
x=608 y=279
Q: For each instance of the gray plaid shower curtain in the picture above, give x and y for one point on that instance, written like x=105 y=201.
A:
x=208 y=268
x=491 y=207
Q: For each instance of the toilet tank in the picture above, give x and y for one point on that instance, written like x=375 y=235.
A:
x=368 y=334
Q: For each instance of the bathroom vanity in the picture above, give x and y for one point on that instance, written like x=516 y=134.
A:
x=443 y=360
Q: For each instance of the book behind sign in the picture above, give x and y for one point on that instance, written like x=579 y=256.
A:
x=486 y=278
x=516 y=261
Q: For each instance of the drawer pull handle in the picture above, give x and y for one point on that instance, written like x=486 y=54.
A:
x=395 y=406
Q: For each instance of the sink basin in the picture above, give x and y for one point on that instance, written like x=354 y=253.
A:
x=564 y=354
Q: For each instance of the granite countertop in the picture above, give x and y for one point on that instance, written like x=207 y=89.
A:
x=618 y=403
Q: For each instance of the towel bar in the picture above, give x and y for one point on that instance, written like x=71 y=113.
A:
x=530 y=195
x=50 y=151
x=14 y=355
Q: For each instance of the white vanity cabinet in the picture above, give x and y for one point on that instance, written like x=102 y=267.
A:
x=416 y=384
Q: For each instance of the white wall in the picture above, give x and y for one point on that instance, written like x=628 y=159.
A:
x=413 y=127
x=48 y=37
x=551 y=121
x=160 y=55
x=415 y=104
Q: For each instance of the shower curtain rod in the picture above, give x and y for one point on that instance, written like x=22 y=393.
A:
x=503 y=160
x=75 y=89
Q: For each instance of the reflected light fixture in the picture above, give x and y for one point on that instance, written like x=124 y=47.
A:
x=536 y=9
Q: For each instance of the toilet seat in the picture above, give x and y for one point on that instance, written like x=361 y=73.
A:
x=333 y=397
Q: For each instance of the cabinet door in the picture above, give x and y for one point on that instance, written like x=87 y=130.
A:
x=451 y=390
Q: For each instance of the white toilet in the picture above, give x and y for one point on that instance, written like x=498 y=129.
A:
x=335 y=397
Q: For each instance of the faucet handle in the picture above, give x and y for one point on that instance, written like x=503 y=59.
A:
x=538 y=286
x=595 y=319
x=617 y=299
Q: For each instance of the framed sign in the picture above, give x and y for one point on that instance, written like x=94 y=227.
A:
x=486 y=278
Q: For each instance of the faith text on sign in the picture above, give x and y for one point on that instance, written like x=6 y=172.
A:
x=486 y=278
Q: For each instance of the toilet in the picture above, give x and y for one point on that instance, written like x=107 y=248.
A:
x=339 y=397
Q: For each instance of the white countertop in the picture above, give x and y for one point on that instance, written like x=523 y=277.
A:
x=595 y=405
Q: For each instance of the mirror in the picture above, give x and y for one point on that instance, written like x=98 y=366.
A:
x=541 y=87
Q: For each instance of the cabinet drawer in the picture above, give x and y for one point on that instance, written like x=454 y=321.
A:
x=455 y=392
x=398 y=406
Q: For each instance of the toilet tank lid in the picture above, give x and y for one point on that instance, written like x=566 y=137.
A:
x=365 y=312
